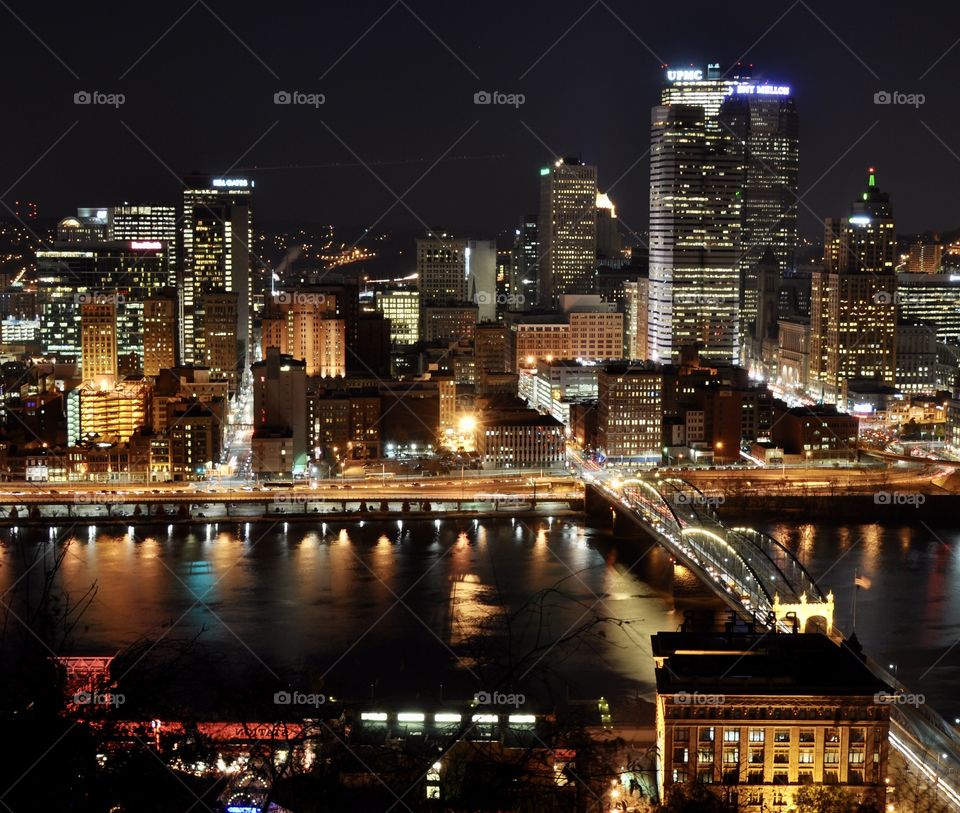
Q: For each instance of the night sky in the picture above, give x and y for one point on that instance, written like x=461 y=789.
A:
x=201 y=96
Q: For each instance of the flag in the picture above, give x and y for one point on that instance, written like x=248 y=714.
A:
x=862 y=581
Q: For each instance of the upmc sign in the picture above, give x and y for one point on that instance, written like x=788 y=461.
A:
x=691 y=75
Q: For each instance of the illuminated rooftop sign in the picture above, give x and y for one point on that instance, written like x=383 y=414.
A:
x=761 y=90
x=688 y=75
x=231 y=183
x=146 y=245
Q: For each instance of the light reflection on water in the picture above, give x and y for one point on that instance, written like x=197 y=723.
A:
x=401 y=602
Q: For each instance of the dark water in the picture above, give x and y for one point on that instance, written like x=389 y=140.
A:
x=413 y=609
x=430 y=610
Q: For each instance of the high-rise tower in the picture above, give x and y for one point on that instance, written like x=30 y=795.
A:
x=695 y=182
x=217 y=240
x=567 y=230
x=762 y=118
x=852 y=302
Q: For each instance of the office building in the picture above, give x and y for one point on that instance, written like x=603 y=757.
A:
x=814 y=432
x=490 y=348
x=707 y=87
x=98 y=343
x=514 y=437
x=125 y=273
x=480 y=266
x=630 y=412
x=695 y=218
x=924 y=258
x=195 y=438
x=279 y=415
x=442 y=269
x=754 y=717
x=636 y=314
x=217 y=256
x=402 y=307
x=916 y=357
x=220 y=340
x=526 y=263
x=853 y=316
x=160 y=333
x=449 y=323
x=932 y=298
x=763 y=120
x=567 y=229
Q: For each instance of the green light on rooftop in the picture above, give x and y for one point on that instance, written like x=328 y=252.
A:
x=873 y=177
x=544 y=170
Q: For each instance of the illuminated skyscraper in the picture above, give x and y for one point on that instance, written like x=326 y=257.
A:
x=159 y=334
x=695 y=181
x=567 y=230
x=148 y=224
x=145 y=225
x=98 y=341
x=402 y=307
x=763 y=121
x=123 y=272
x=853 y=317
x=217 y=240
x=704 y=87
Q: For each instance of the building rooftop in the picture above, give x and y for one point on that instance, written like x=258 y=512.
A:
x=760 y=664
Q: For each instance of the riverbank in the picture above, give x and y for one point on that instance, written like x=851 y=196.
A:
x=541 y=512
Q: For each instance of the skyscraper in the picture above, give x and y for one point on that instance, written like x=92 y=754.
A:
x=217 y=240
x=852 y=303
x=219 y=318
x=567 y=230
x=705 y=87
x=695 y=181
x=123 y=272
x=763 y=121
x=526 y=254
x=98 y=341
x=159 y=334
x=147 y=224
x=442 y=269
